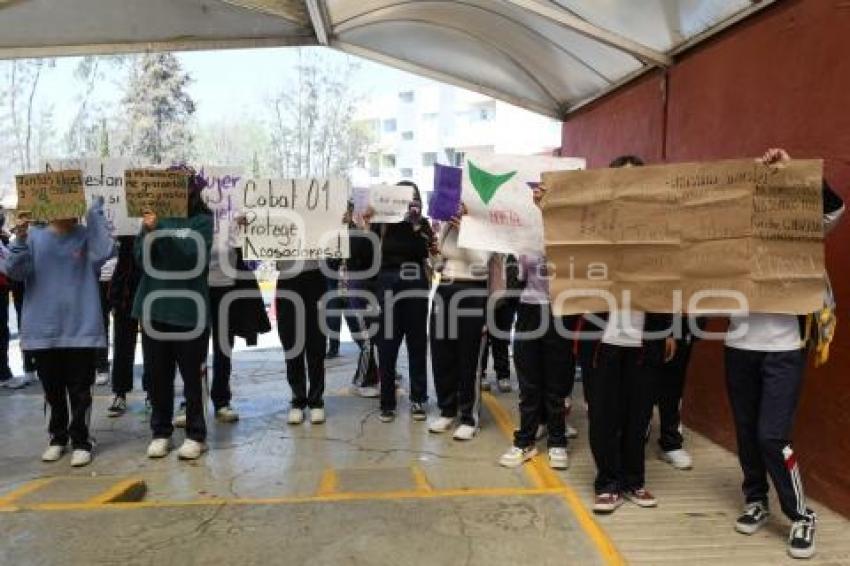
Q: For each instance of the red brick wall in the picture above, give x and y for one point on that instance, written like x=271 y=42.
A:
x=781 y=78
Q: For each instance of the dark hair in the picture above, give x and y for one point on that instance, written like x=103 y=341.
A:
x=416 y=194
x=196 y=185
x=625 y=160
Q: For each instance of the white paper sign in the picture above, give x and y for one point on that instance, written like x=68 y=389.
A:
x=223 y=195
x=390 y=203
x=292 y=219
x=104 y=177
x=498 y=194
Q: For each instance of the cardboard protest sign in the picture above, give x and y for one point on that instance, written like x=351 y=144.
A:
x=52 y=196
x=501 y=214
x=390 y=203
x=166 y=193
x=104 y=178
x=697 y=237
x=295 y=219
x=223 y=195
x=445 y=199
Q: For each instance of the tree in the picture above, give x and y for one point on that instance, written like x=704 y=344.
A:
x=159 y=109
x=313 y=133
x=25 y=124
x=86 y=133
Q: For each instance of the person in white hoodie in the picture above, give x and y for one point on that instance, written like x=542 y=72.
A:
x=458 y=333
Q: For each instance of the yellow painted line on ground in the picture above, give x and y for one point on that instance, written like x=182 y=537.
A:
x=131 y=487
x=332 y=498
x=24 y=490
x=547 y=479
x=420 y=479
x=329 y=483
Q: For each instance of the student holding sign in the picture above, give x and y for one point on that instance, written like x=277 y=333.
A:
x=621 y=396
x=403 y=285
x=62 y=322
x=765 y=364
x=172 y=304
x=458 y=333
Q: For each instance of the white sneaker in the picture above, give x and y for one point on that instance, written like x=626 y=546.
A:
x=296 y=416
x=571 y=432
x=179 y=420
x=317 y=416
x=16 y=382
x=30 y=377
x=225 y=415
x=441 y=425
x=102 y=378
x=80 y=458
x=465 y=432
x=53 y=453
x=558 y=458
x=679 y=459
x=191 y=449
x=366 y=392
x=515 y=457
x=159 y=447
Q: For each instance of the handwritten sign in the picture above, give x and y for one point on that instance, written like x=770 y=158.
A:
x=390 y=203
x=223 y=195
x=52 y=196
x=166 y=193
x=104 y=178
x=295 y=219
x=704 y=231
x=497 y=191
x=360 y=199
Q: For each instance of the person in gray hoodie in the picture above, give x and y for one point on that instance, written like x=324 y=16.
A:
x=62 y=321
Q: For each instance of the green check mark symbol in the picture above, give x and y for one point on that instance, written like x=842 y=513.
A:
x=487 y=183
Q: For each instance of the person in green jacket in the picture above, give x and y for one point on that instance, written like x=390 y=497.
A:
x=172 y=304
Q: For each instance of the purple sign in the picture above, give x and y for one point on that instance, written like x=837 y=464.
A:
x=445 y=200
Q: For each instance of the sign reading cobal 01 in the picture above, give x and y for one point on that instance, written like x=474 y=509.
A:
x=295 y=219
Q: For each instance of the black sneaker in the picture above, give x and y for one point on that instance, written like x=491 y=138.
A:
x=118 y=406
x=333 y=351
x=754 y=517
x=386 y=416
x=801 y=541
x=418 y=412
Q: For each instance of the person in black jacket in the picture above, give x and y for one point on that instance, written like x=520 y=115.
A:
x=405 y=250
x=122 y=291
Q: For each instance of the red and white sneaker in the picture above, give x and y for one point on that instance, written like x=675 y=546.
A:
x=641 y=497
x=607 y=503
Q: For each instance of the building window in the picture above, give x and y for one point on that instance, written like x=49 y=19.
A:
x=407 y=173
x=374 y=165
x=429 y=159
x=456 y=158
x=407 y=136
x=430 y=117
x=407 y=96
x=484 y=113
x=389 y=161
x=390 y=126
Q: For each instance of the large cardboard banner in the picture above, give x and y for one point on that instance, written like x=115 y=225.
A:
x=223 y=195
x=51 y=196
x=104 y=178
x=166 y=193
x=697 y=237
x=295 y=219
x=497 y=191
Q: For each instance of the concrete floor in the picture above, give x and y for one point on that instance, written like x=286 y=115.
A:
x=353 y=491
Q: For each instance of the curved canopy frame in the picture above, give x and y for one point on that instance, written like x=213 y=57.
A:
x=550 y=56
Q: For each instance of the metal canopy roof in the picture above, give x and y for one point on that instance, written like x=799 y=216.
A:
x=551 y=56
